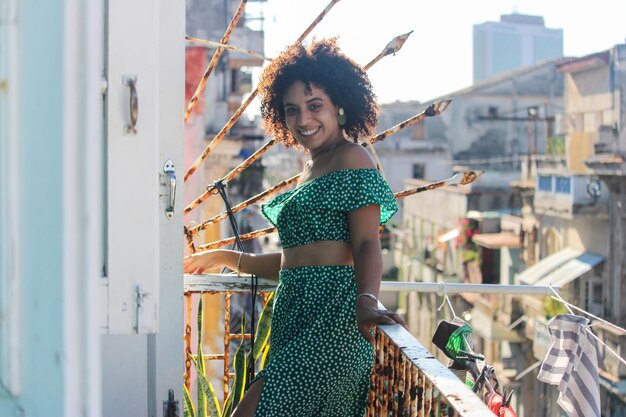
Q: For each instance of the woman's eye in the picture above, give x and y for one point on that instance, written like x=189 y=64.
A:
x=314 y=106
x=290 y=110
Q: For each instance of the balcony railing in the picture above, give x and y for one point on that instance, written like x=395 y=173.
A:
x=407 y=380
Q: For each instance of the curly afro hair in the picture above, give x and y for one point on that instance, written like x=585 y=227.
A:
x=323 y=64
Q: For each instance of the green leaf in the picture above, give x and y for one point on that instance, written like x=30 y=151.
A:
x=236 y=388
x=200 y=366
x=209 y=392
x=188 y=410
x=228 y=405
x=239 y=364
x=265 y=356
x=264 y=327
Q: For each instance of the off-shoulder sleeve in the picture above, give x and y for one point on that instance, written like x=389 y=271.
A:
x=272 y=209
x=351 y=189
x=342 y=190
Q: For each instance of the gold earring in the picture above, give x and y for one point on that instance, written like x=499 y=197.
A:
x=341 y=116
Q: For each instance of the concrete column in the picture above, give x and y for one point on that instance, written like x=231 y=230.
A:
x=615 y=288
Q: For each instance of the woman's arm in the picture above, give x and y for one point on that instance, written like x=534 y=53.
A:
x=264 y=265
x=368 y=265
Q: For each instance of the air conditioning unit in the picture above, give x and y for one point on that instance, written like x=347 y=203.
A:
x=607 y=139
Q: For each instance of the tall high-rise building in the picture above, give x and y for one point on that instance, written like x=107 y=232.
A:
x=517 y=40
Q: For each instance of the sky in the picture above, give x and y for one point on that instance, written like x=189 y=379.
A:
x=437 y=59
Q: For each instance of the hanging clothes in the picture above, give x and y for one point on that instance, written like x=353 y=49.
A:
x=572 y=364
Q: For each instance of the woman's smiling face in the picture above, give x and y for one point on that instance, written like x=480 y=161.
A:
x=311 y=116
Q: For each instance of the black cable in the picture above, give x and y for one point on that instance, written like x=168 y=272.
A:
x=221 y=188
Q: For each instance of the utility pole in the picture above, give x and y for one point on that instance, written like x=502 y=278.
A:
x=532 y=112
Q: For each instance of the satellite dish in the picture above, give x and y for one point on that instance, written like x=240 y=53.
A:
x=594 y=188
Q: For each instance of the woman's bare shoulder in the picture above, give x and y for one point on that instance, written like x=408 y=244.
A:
x=352 y=156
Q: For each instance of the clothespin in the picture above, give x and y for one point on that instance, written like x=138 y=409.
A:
x=472 y=356
x=506 y=400
x=446 y=299
x=479 y=381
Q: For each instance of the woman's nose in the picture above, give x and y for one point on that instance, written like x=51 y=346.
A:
x=303 y=118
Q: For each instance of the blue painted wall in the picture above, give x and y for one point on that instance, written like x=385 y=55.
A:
x=40 y=57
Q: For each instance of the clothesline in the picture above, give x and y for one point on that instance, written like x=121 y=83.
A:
x=608 y=323
x=454 y=288
x=569 y=307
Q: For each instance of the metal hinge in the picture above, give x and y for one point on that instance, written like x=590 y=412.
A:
x=170 y=407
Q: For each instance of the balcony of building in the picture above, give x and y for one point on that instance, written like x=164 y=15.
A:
x=407 y=380
x=609 y=156
x=594 y=108
x=567 y=195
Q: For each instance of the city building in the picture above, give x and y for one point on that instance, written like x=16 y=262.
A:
x=409 y=153
x=517 y=40
x=569 y=232
x=496 y=123
x=224 y=93
x=230 y=81
x=573 y=230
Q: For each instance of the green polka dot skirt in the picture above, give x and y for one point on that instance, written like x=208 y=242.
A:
x=319 y=364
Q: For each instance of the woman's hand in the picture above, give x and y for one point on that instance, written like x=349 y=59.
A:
x=368 y=315
x=202 y=262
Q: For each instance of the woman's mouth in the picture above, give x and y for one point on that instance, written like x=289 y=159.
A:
x=309 y=132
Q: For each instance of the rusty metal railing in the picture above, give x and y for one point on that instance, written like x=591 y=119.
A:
x=464 y=178
x=407 y=380
x=226 y=285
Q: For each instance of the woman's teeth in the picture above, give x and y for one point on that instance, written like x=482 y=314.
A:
x=308 y=132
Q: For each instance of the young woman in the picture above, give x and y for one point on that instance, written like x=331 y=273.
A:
x=329 y=271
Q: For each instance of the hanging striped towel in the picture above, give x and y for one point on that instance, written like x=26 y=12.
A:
x=572 y=364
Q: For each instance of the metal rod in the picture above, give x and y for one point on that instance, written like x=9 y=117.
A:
x=243 y=205
x=227 y=46
x=243 y=106
x=187 y=337
x=220 y=135
x=316 y=21
x=392 y=47
x=189 y=236
x=467 y=178
x=231 y=240
x=209 y=283
x=210 y=190
x=226 y=363
x=215 y=58
x=434 y=109
x=454 y=288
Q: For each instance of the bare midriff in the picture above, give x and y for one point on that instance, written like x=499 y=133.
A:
x=322 y=253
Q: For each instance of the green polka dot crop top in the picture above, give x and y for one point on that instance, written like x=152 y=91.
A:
x=318 y=209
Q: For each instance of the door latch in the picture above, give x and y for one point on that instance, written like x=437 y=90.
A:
x=170 y=170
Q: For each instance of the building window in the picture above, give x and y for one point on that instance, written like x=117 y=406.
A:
x=563 y=185
x=419 y=170
x=234 y=81
x=596 y=293
x=544 y=183
x=551 y=242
